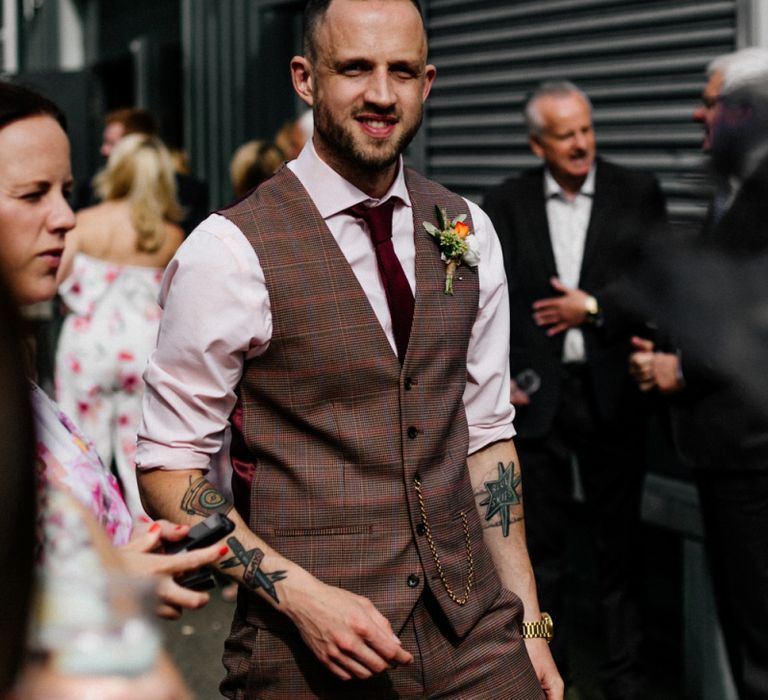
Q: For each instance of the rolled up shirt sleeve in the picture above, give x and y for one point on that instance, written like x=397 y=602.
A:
x=216 y=314
x=487 y=394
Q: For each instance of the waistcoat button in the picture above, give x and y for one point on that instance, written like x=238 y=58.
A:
x=420 y=529
x=413 y=581
x=408 y=383
x=413 y=432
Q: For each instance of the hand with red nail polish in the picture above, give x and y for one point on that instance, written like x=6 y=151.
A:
x=143 y=555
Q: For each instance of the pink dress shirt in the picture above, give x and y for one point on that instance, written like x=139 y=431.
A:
x=216 y=314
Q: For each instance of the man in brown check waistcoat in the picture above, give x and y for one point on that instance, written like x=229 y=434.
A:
x=348 y=321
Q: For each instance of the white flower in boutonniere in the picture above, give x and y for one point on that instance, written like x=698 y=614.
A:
x=457 y=244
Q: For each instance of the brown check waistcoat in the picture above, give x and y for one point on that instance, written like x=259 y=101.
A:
x=337 y=430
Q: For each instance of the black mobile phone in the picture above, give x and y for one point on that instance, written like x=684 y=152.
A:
x=210 y=530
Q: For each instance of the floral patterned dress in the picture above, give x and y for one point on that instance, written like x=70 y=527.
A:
x=68 y=462
x=102 y=353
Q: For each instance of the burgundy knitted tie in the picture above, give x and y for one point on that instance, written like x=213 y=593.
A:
x=399 y=295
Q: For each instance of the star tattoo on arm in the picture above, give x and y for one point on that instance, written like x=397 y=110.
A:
x=253 y=576
x=502 y=495
x=203 y=498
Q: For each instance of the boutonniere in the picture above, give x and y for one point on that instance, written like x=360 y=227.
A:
x=457 y=244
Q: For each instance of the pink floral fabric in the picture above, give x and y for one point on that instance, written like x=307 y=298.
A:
x=102 y=352
x=68 y=461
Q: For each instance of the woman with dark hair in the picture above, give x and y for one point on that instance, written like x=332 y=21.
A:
x=35 y=180
x=17 y=516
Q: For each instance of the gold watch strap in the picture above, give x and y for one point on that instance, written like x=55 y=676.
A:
x=543 y=629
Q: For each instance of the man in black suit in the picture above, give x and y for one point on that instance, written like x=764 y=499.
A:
x=567 y=230
x=719 y=411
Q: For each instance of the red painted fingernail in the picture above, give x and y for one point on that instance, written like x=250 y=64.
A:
x=155 y=527
x=179 y=527
x=223 y=550
x=145 y=519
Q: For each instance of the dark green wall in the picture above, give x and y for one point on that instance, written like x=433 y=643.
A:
x=121 y=21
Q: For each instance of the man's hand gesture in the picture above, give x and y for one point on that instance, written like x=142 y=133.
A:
x=345 y=631
x=558 y=314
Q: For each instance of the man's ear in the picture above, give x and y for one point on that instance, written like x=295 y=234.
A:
x=429 y=77
x=534 y=141
x=301 y=76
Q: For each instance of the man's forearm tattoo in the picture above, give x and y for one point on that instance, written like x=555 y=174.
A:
x=253 y=576
x=502 y=494
x=203 y=498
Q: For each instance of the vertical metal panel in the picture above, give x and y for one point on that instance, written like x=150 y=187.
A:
x=10 y=28
x=237 y=83
x=39 y=26
x=641 y=61
x=215 y=43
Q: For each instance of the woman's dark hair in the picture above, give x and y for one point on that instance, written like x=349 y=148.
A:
x=19 y=102
x=17 y=486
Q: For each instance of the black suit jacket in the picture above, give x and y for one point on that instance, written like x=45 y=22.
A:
x=627 y=207
x=719 y=424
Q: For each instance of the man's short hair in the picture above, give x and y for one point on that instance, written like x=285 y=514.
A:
x=744 y=68
x=556 y=88
x=134 y=120
x=314 y=11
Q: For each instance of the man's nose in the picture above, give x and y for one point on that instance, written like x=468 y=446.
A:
x=379 y=90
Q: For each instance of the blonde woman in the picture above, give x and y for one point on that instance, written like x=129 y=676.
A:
x=109 y=280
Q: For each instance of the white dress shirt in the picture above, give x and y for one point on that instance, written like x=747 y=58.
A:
x=216 y=315
x=568 y=220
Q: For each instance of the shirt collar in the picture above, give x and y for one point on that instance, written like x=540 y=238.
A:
x=552 y=187
x=330 y=192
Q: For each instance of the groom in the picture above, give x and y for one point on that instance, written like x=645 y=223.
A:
x=379 y=541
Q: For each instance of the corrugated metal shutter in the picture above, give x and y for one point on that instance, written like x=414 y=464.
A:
x=641 y=61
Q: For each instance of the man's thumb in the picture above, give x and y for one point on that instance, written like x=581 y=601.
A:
x=642 y=344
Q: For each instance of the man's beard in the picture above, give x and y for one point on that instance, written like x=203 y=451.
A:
x=371 y=158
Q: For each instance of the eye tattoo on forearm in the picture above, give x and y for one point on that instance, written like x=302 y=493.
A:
x=203 y=498
x=502 y=494
x=253 y=576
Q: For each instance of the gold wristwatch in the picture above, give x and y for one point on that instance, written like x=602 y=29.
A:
x=592 y=308
x=543 y=629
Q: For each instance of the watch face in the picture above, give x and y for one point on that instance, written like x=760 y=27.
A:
x=549 y=625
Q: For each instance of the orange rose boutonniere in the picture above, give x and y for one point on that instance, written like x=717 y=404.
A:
x=456 y=242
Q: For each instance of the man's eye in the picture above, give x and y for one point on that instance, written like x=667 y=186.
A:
x=353 y=69
x=35 y=196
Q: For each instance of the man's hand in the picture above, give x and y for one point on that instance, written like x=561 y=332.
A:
x=641 y=363
x=142 y=556
x=548 y=675
x=560 y=313
x=517 y=396
x=344 y=630
x=654 y=369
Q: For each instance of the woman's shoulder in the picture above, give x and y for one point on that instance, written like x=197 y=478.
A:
x=174 y=237
x=103 y=211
